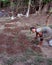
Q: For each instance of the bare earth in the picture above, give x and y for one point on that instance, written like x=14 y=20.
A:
x=15 y=40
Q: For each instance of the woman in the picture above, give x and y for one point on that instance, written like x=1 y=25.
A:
x=40 y=32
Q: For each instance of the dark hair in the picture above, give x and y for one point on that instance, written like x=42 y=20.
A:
x=32 y=28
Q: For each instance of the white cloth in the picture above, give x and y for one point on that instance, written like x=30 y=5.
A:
x=50 y=42
x=39 y=29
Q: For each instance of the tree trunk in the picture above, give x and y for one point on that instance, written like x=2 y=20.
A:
x=49 y=13
x=27 y=14
x=0 y=4
x=12 y=9
x=47 y=20
x=40 y=6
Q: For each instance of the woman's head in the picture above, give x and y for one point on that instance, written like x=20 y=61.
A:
x=33 y=29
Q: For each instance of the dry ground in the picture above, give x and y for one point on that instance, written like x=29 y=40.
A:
x=16 y=47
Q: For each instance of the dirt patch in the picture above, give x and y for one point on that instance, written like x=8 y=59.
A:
x=15 y=40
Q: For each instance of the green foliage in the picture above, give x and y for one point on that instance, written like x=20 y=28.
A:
x=4 y=1
x=46 y=1
x=26 y=2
